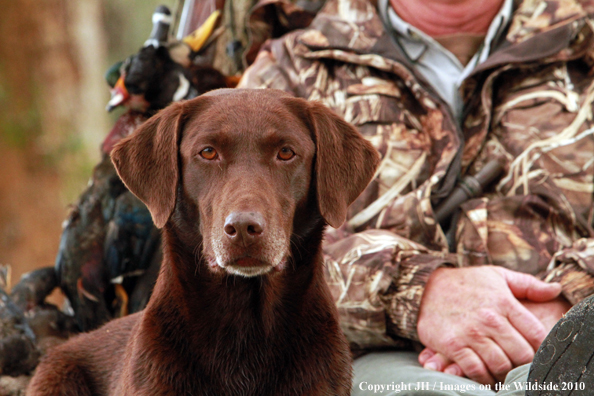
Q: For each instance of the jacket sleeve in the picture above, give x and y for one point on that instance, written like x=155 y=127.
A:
x=377 y=279
x=574 y=268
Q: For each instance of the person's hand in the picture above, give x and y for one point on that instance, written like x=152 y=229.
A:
x=473 y=318
x=549 y=313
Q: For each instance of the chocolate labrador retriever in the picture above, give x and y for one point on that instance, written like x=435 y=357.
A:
x=242 y=183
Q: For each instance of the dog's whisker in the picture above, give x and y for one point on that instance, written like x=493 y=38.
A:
x=297 y=247
x=261 y=284
x=197 y=257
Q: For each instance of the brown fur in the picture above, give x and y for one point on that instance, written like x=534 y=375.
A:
x=210 y=327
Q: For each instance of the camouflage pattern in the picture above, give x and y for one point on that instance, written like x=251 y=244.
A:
x=529 y=105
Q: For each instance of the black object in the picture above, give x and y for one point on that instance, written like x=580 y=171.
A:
x=161 y=22
x=564 y=364
x=469 y=187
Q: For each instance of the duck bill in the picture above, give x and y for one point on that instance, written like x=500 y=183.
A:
x=119 y=95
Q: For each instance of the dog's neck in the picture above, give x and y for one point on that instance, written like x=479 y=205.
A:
x=199 y=318
x=221 y=300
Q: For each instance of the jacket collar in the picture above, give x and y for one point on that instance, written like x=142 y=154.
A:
x=544 y=29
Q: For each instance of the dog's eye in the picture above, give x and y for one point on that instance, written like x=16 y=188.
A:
x=285 y=154
x=209 y=153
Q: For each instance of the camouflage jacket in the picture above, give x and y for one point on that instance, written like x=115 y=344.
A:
x=528 y=105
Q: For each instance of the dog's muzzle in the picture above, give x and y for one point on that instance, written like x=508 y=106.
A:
x=248 y=247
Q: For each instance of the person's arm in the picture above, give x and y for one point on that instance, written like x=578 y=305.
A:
x=377 y=279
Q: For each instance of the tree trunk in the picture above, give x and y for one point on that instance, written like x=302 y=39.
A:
x=52 y=119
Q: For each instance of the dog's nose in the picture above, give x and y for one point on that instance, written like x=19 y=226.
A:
x=244 y=228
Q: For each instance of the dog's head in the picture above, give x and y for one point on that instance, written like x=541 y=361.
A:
x=234 y=169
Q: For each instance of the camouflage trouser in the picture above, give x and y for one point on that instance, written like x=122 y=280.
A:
x=399 y=373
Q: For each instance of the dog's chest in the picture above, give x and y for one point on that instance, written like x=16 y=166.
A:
x=239 y=338
x=232 y=365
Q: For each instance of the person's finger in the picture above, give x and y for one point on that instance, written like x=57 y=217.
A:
x=425 y=355
x=550 y=312
x=437 y=362
x=527 y=324
x=454 y=369
x=499 y=328
x=493 y=357
x=527 y=287
x=472 y=366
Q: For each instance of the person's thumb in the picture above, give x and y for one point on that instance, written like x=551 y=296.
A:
x=528 y=287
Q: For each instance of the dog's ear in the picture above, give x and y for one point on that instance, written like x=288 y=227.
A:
x=147 y=161
x=345 y=163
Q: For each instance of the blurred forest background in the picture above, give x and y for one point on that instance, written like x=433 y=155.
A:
x=53 y=54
